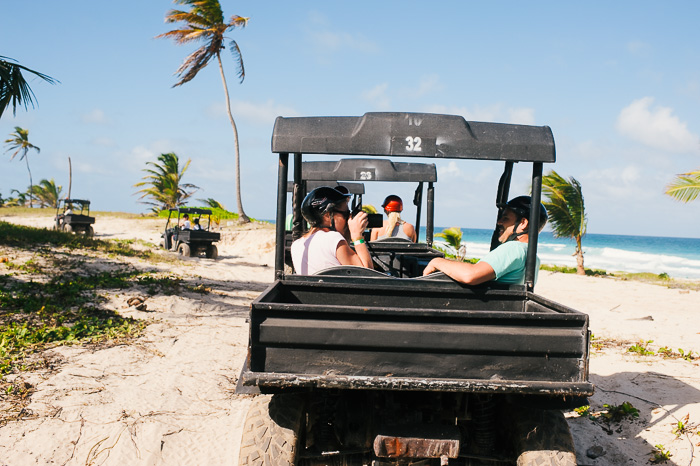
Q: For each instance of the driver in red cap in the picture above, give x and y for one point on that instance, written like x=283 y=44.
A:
x=506 y=263
x=394 y=226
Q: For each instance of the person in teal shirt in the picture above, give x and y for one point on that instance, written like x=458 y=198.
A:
x=506 y=263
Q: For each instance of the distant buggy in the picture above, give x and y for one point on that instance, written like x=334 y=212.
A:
x=190 y=241
x=69 y=220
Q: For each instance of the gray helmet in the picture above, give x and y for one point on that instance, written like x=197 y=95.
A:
x=319 y=201
x=521 y=205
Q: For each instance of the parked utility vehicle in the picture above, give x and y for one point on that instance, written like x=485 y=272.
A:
x=73 y=215
x=190 y=241
x=356 y=367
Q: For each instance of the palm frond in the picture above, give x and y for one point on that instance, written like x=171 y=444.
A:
x=14 y=88
x=685 y=187
x=452 y=235
x=565 y=205
x=236 y=52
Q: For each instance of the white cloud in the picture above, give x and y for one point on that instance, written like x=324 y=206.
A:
x=428 y=84
x=96 y=116
x=638 y=48
x=263 y=113
x=377 y=96
x=656 y=127
x=451 y=170
x=491 y=113
x=326 y=40
x=521 y=116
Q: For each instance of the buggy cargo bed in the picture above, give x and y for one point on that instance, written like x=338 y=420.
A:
x=198 y=235
x=414 y=334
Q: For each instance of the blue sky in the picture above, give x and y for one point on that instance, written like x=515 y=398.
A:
x=618 y=83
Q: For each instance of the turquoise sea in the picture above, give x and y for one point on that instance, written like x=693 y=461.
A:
x=677 y=257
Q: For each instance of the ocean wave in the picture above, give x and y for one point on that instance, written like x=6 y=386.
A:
x=607 y=258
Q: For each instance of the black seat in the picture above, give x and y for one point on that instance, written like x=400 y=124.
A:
x=351 y=271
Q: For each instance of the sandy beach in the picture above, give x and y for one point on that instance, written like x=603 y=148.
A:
x=168 y=398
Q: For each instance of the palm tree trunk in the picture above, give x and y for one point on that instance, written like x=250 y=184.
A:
x=579 y=258
x=242 y=217
x=26 y=159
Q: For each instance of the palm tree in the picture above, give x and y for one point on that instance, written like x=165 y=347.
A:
x=47 y=193
x=20 y=199
x=566 y=211
x=213 y=203
x=205 y=23
x=453 y=237
x=14 y=89
x=19 y=142
x=165 y=189
x=686 y=186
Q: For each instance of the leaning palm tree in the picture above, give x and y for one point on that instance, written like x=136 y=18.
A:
x=14 y=89
x=686 y=186
x=19 y=143
x=163 y=183
x=566 y=211
x=204 y=23
x=47 y=193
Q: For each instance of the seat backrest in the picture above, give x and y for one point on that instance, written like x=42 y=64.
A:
x=351 y=271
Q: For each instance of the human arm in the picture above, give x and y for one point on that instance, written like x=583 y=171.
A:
x=360 y=256
x=410 y=231
x=463 y=272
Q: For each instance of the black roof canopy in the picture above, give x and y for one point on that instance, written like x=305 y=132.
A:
x=191 y=210
x=364 y=169
x=353 y=188
x=413 y=135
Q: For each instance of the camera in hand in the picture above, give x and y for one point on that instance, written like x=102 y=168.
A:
x=375 y=220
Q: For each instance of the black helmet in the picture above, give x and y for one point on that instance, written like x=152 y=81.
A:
x=318 y=202
x=521 y=206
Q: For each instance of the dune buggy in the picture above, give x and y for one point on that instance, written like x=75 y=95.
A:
x=355 y=367
x=190 y=241
x=73 y=215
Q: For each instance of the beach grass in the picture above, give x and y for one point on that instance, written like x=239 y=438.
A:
x=49 y=295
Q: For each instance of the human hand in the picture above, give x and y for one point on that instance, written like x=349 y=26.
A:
x=358 y=224
x=431 y=267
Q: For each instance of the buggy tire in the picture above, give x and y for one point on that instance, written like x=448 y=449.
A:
x=67 y=227
x=271 y=431
x=212 y=251
x=183 y=249
x=89 y=231
x=542 y=438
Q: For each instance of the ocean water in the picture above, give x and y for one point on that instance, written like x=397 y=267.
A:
x=677 y=257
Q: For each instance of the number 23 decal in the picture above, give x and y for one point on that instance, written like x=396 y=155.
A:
x=413 y=144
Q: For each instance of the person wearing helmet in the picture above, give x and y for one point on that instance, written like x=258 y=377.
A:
x=326 y=243
x=506 y=263
x=394 y=227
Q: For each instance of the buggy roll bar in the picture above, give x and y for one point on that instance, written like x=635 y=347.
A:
x=375 y=169
x=191 y=210
x=353 y=188
x=413 y=135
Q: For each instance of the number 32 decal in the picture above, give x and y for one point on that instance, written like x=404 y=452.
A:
x=413 y=144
